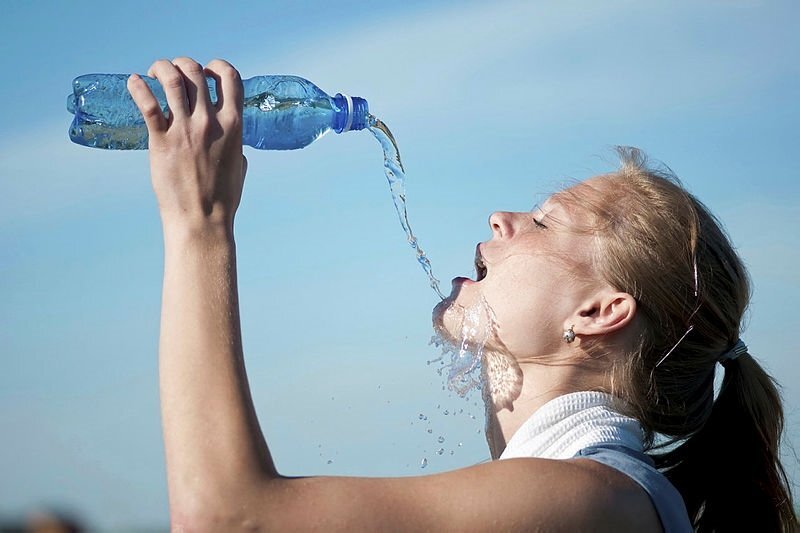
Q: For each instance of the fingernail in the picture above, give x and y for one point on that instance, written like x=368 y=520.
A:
x=134 y=77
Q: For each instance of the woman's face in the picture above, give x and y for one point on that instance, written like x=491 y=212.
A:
x=532 y=275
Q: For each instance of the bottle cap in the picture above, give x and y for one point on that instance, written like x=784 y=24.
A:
x=352 y=113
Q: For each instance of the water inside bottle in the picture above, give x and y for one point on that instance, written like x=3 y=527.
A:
x=395 y=174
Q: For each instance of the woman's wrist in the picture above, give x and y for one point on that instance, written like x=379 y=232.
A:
x=183 y=233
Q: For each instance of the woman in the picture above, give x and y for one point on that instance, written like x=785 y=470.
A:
x=606 y=312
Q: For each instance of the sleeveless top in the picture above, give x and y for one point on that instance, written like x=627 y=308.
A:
x=584 y=424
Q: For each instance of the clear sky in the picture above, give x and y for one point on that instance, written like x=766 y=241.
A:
x=493 y=104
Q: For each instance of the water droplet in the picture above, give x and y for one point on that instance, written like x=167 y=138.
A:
x=423 y=463
x=430 y=430
x=422 y=417
x=440 y=439
x=440 y=451
x=330 y=461
x=452 y=452
x=460 y=444
x=446 y=412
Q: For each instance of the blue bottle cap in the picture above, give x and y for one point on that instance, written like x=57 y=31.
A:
x=352 y=113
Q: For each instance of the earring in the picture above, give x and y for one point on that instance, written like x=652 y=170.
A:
x=569 y=334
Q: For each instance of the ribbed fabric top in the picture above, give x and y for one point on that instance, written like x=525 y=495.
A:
x=565 y=425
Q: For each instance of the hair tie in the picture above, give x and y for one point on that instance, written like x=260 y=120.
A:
x=738 y=349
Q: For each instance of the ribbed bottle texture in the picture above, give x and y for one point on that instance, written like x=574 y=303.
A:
x=280 y=112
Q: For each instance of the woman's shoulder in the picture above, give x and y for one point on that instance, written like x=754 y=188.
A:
x=620 y=497
x=594 y=495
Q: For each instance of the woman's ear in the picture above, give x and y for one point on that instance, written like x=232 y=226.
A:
x=606 y=313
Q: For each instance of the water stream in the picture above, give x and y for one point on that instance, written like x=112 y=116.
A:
x=395 y=174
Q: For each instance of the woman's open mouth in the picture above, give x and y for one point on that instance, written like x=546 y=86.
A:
x=480 y=266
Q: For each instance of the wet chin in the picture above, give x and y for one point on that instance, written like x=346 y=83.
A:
x=447 y=320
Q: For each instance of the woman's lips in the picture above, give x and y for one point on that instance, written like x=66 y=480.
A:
x=461 y=280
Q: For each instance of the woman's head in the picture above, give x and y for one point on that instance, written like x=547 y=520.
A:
x=631 y=261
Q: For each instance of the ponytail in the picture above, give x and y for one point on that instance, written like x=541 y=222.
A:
x=729 y=472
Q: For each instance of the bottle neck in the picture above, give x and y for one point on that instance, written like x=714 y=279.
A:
x=352 y=113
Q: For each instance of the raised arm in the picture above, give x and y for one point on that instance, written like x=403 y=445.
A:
x=219 y=471
x=211 y=433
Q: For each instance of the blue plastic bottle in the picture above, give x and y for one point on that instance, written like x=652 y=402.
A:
x=280 y=112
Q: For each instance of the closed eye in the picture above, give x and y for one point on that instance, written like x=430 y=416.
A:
x=538 y=224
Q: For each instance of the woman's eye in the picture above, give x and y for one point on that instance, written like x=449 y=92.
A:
x=538 y=224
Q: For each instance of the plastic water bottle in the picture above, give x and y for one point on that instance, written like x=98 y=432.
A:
x=280 y=112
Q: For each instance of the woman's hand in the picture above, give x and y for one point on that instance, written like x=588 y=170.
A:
x=196 y=161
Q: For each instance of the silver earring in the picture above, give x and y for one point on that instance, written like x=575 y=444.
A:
x=569 y=334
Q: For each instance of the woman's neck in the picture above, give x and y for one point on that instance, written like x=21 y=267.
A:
x=535 y=384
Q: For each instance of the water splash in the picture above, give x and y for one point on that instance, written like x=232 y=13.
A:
x=395 y=174
x=463 y=360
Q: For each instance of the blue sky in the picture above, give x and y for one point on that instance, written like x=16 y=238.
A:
x=493 y=105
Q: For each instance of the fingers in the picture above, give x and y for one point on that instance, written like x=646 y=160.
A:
x=148 y=105
x=195 y=83
x=230 y=93
x=171 y=80
x=186 y=89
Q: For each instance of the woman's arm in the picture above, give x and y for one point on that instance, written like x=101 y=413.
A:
x=214 y=447
x=219 y=471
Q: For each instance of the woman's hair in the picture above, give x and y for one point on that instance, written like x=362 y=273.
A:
x=657 y=242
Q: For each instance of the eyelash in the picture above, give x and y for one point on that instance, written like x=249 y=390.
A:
x=538 y=224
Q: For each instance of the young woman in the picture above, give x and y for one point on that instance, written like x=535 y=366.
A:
x=608 y=311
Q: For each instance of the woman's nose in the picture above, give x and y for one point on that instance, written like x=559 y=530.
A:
x=500 y=222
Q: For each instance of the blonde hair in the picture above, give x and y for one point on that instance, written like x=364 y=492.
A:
x=657 y=242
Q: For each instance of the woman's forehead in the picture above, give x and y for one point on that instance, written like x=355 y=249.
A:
x=591 y=191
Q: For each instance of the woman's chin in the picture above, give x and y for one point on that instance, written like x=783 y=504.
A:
x=443 y=319
x=449 y=315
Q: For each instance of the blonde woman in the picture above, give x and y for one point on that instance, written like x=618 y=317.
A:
x=613 y=305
